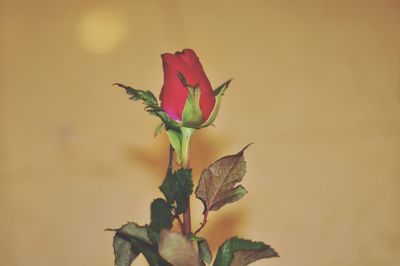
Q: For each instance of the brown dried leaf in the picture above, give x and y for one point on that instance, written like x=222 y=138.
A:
x=217 y=184
x=177 y=249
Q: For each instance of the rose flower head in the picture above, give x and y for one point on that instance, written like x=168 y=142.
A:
x=188 y=101
x=187 y=96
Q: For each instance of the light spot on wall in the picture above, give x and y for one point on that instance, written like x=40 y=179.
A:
x=101 y=30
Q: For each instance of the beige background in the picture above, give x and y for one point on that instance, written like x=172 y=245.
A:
x=316 y=88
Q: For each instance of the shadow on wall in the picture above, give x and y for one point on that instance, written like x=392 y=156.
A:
x=204 y=151
x=205 y=147
x=222 y=226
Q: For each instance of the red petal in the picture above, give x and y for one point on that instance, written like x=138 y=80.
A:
x=173 y=94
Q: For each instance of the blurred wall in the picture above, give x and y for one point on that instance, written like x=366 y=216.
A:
x=316 y=88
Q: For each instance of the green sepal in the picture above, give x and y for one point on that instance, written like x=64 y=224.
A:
x=175 y=138
x=168 y=122
x=192 y=116
x=147 y=97
x=158 y=129
x=241 y=252
x=161 y=218
x=151 y=104
x=218 y=92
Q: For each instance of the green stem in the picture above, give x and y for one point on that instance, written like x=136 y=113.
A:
x=187 y=134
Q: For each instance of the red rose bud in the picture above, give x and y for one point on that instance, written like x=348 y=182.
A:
x=186 y=96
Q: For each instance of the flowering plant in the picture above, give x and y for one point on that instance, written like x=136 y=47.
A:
x=188 y=103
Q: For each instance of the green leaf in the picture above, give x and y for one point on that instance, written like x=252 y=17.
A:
x=168 y=187
x=184 y=182
x=132 y=229
x=217 y=184
x=204 y=251
x=124 y=252
x=150 y=252
x=161 y=216
x=153 y=235
x=177 y=249
x=205 y=254
x=177 y=187
x=241 y=252
x=218 y=92
x=130 y=240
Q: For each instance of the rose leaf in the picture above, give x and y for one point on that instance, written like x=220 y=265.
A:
x=217 y=184
x=124 y=252
x=177 y=249
x=241 y=252
x=161 y=218
x=168 y=186
x=204 y=251
x=184 y=182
